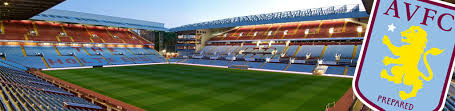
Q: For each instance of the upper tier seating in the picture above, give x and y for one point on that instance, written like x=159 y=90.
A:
x=45 y=31
x=14 y=30
x=101 y=33
x=58 y=32
x=79 y=34
x=298 y=30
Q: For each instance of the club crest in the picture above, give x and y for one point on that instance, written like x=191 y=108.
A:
x=407 y=56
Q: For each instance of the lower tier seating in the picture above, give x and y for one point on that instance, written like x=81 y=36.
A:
x=301 y=68
x=42 y=57
x=21 y=91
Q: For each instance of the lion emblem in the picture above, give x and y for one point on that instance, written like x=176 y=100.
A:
x=406 y=65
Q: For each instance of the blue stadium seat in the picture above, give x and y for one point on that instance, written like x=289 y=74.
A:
x=11 y=50
x=344 y=50
x=29 y=61
x=93 y=61
x=78 y=51
x=118 y=59
x=62 y=61
x=140 y=59
x=12 y=65
x=31 y=94
x=274 y=66
x=335 y=70
x=255 y=64
x=314 y=50
x=351 y=71
x=219 y=62
x=301 y=68
x=237 y=63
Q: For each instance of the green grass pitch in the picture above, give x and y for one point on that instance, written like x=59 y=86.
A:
x=192 y=88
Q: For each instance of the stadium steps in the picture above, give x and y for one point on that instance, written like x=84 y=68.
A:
x=251 y=30
x=285 y=50
x=129 y=50
x=238 y=49
x=237 y=30
x=45 y=62
x=23 y=51
x=111 y=35
x=289 y=64
x=78 y=61
x=108 y=60
x=296 y=30
x=319 y=27
x=211 y=50
x=229 y=48
x=344 y=26
x=126 y=32
x=85 y=50
x=295 y=53
x=274 y=32
x=66 y=37
x=323 y=51
x=2 y=27
x=92 y=39
x=260 y=67
x=35 y=28
x=64 y=31
x=266 y=32
x=56 y=50
x=354 y=52
x=346 y=68
x=141 y=39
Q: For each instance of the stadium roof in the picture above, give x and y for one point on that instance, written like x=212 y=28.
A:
x=333 y=12
x=95 y=19
x=24 y=9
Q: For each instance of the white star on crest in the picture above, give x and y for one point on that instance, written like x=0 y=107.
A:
x=391 y=27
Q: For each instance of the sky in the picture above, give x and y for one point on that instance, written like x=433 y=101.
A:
x=175 y=13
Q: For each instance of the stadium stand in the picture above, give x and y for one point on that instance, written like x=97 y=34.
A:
x=294 y=46
x=314 y=29
x=61 y=39
x=22 y=91
x=59 y=45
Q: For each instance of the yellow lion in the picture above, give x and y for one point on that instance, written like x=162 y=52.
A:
x=407 y=63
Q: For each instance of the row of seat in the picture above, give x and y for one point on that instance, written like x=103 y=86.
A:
x=337 y=70
x=328 y=53
x=22 y=91
x=58 y=32
x=42 y=57
x=316 y=29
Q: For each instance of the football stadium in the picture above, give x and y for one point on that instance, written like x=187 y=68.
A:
x=297 y=60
